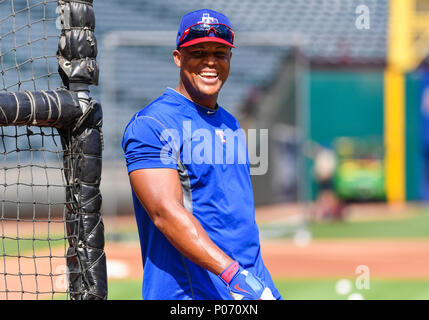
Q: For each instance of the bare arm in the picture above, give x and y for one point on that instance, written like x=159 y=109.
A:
x=160 y=193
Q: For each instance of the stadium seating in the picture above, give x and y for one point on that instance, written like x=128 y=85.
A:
x=142 y=73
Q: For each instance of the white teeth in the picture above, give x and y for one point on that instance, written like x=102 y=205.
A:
x=208 y=74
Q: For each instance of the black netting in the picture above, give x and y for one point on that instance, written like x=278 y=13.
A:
x=33 y=213
x=28 y=44
x=51 y=231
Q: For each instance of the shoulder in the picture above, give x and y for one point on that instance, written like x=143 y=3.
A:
x=160 y=113
x=228 y=118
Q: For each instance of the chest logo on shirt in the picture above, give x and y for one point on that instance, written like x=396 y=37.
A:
x=221 y=135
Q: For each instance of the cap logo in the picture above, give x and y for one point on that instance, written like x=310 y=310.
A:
x=208 y=20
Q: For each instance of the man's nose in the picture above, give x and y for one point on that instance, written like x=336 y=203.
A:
x=211 y=59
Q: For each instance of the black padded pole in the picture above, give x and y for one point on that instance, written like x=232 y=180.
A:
x=58 y=108
x=77 y=51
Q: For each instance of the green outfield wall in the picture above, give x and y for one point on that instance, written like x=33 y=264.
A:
x=350 y=103
x=345 y=103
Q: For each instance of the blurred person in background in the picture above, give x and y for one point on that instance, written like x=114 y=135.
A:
x=328 y=206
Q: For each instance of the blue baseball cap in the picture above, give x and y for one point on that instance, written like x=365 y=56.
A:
x=204 y=17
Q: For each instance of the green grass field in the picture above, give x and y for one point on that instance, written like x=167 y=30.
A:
x=414 y=225
x=308 y=289
x=25 y=245
x=322 y=289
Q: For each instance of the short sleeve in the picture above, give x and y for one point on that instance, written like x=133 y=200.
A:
x=147 y=143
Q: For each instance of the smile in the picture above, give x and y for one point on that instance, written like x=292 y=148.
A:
x=209 y=77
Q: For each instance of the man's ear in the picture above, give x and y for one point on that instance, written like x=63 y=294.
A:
x=177 y=55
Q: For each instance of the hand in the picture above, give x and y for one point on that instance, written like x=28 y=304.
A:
x=243 y=285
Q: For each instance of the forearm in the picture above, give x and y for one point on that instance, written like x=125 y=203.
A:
x=187 y=235
x=160 y=193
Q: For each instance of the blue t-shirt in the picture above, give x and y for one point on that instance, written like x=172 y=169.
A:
x=208 y=149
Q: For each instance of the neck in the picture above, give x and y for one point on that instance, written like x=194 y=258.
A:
x=205 y=101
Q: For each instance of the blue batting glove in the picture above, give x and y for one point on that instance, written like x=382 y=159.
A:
x=243 y=285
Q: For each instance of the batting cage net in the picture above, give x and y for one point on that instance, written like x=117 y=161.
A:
x=51 y=229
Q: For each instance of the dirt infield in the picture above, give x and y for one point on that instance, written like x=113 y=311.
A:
x=407 y=259
x=386 y=259
x=339 y=258
x=18 y=277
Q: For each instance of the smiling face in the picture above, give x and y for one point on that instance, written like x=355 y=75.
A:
x=204 y=68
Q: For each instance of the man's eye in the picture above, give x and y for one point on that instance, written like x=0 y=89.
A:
x=198 y=53
x=221 y=54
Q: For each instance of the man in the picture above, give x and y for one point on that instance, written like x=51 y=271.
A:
x=194 y=205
